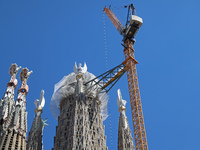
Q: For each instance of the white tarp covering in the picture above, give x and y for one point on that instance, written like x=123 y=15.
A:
x=66 y=87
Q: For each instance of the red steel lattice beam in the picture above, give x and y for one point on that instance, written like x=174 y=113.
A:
x=136 y=107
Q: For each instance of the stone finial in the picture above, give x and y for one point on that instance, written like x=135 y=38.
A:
x=79 y=71
x=122 y=109
x=13 y=72
x=120 y=102
x=14 y=69
x=25 y=73
x=39 y=104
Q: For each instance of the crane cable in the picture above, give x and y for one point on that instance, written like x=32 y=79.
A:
x=106 y=50
x=106 y=54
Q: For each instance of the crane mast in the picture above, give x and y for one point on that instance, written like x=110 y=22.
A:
x=136 y=108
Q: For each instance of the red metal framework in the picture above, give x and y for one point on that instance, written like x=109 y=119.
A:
x=136 y=107
x=114 y=20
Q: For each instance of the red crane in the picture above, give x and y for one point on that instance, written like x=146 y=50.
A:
x=128 y=32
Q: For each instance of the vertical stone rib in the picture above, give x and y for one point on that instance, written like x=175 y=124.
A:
x=14 y=140
x=83 y=120
x=8 y=140
x=2 y=141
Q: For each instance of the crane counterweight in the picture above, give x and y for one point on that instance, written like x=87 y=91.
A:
x=135 y=24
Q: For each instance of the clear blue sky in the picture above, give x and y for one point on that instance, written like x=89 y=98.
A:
x=48 y=36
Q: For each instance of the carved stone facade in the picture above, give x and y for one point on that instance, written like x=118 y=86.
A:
x=13 y=125
x=13 y=116
x=80 y=125
x=125 y=139
x=35 y=135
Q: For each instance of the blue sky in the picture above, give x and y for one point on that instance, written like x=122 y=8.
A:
x=49 y=36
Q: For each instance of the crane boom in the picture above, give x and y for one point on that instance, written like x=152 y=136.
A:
x=114 y=20
x=136 y=107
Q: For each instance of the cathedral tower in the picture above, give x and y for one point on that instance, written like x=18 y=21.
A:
x=125 y=139
x=13 y=125
x=35 y=138
x=80 y=122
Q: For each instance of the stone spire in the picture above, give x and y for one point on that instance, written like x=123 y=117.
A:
x=7 y=102
x=35 y=140
x=80 y=125
x=125 y=139
x=14 y=126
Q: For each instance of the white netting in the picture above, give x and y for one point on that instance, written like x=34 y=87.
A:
x=66 y=87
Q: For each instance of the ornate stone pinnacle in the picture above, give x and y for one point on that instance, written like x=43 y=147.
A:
x=14 y=69
x=25 y=73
